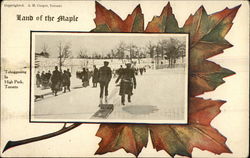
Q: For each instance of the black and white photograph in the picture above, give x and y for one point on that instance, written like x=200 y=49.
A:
x=109 y=77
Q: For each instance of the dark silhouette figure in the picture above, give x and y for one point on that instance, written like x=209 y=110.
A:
x=48 y=75
x=128 y=82
x=65 y=81
x=119 y=71
x=141 y=71
x=104 y=77
x=85 y=78
x=95 y=76
x=38 y=79
x=69 y=75
x=56 y=81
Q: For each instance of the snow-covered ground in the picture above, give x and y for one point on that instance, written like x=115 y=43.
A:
x=74 y=64
x=160 y=97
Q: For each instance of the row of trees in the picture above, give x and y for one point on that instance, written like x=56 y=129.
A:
x=167 y=49
x=171 y=50
x=121 y=51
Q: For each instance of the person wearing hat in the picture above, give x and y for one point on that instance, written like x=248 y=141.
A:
x=104 y=77
x=69 y=75
x=128 y=82
x=84 y=77
x=56 y=81
x=65 y=81
x=95 y=76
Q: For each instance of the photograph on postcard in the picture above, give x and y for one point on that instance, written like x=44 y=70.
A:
x=109 y=77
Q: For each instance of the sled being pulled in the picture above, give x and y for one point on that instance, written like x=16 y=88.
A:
x=104 y=111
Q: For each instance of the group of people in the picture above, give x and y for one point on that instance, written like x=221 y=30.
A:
x=126 y=76
x=60 y=80
x=140 y=70
x=103 y=76
x=84 y=75
x=57 y=80
x=43 y=79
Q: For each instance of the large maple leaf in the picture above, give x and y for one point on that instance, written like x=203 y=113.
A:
x=108 y=21
x=207 y=34
x=129 y=137
x=181 y=139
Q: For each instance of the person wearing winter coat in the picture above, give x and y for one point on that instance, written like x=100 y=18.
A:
x=85 y=78
x=95 y=76
x=56 y=81
x=65 y=81
x=128 y=82
x=104 y=77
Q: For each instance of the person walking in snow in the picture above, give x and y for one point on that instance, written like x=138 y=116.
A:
x=95 y=76
x=56 y=81
x=128 y=82
x=104 y=77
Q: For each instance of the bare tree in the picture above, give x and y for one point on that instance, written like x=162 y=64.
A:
x=170 y=49
x=64 y=50
x=45 y=47
x=82 y=54
x=44 y=50
x=156 y=53
x=150 y=46
x=182 y=51
x=132 y=51
x=137 y=53
x=120 y=50
x=174 y=50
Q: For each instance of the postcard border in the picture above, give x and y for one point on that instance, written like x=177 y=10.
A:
x=30 y=79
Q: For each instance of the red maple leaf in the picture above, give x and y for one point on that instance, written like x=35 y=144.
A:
x=207 y=34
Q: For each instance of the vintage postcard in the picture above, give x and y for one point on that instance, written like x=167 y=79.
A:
x=124 y=78
x=109 y=77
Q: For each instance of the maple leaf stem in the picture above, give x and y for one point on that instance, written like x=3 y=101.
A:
x=65 y=129
x=64 y=126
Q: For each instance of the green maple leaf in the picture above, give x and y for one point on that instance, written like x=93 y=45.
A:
x=207 y=34
x=108 y=21
x=132 y=138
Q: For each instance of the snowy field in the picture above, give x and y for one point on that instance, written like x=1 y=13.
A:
x=160 y=97
x=74 y=65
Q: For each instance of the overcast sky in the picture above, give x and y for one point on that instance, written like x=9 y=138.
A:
x=100 y=43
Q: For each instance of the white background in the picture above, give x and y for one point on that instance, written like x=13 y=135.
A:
x=232 y=122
